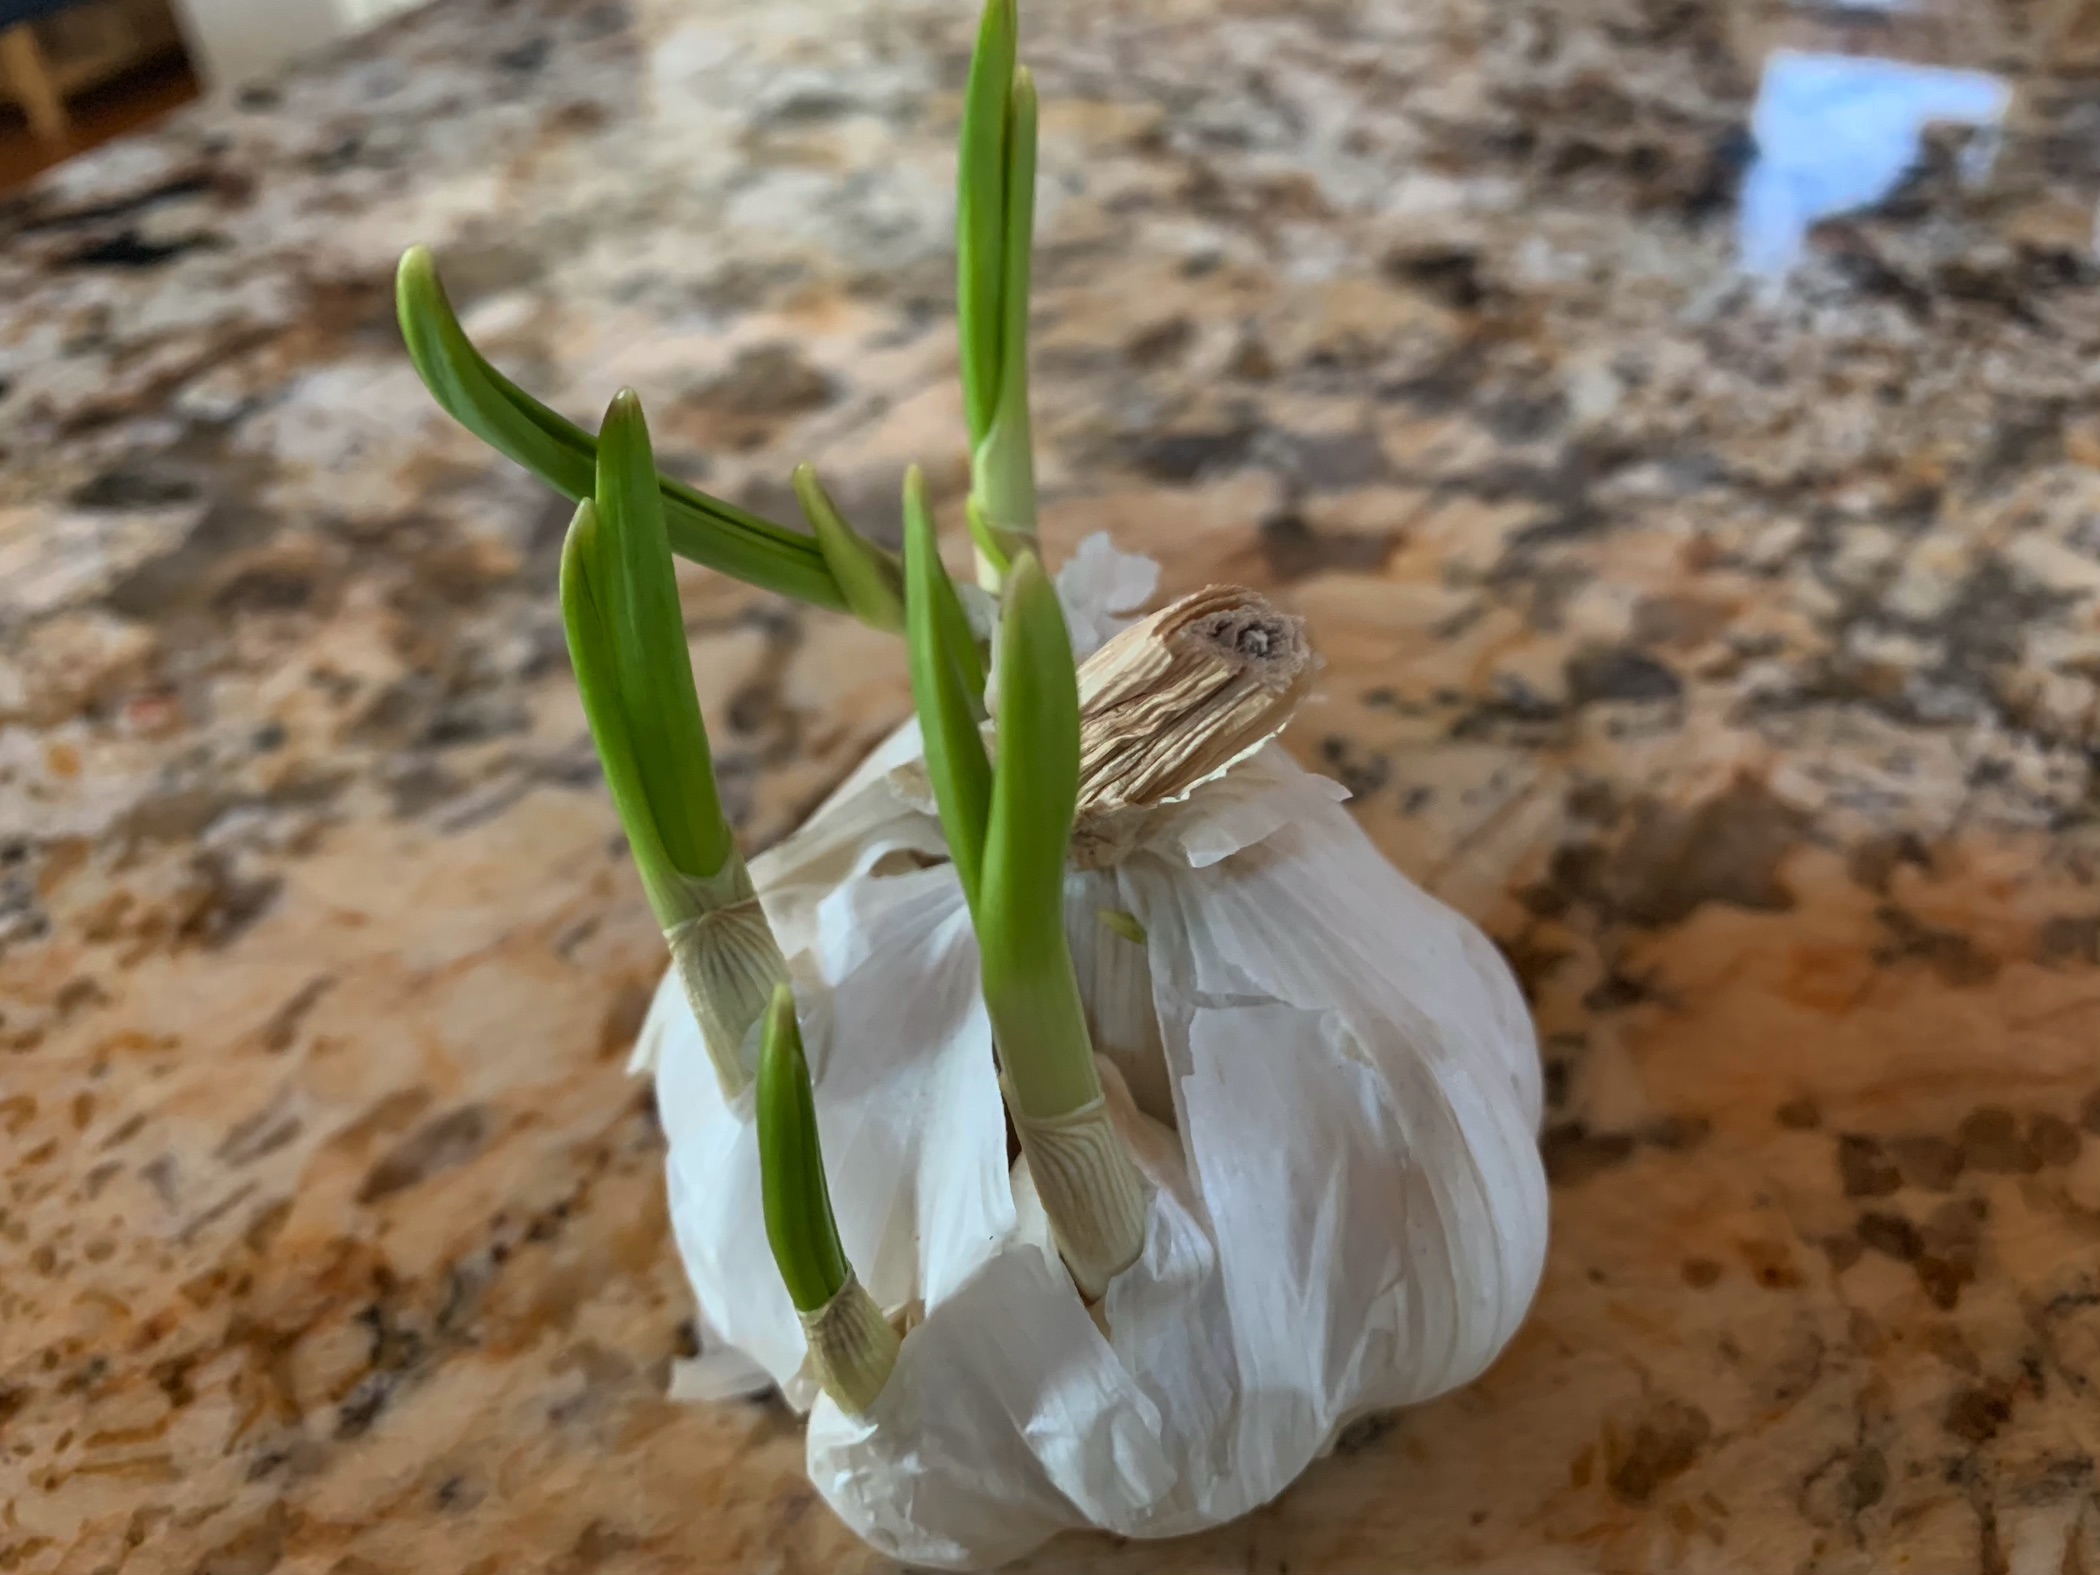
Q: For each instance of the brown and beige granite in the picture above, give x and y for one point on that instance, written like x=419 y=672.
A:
x=1732 y=654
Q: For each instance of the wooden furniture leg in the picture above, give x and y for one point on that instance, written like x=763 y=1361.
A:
x=23 y=61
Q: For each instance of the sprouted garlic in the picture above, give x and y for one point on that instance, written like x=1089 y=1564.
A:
x=1277 y=1109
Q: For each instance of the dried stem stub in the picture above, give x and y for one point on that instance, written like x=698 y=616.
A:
x=1090 y=1190
x=852 y=1348
x=1180 y=696
x=730 y=965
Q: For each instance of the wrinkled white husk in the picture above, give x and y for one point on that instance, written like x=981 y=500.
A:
x=1348 y=1211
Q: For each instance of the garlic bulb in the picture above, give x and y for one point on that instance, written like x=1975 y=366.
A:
x=1326 y=1078
x=1275 y=1108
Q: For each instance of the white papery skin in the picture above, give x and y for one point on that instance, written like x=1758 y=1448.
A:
x=1340 y=1095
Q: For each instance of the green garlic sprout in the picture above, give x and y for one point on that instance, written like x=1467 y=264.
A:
x=1007 y=820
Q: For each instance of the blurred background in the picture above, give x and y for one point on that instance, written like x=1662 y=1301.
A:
x=1836 y=131
x=75 y=73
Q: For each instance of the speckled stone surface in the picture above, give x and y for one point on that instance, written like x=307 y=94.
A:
x=1732 y=654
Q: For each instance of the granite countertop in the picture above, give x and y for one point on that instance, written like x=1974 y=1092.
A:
x=1730 y=651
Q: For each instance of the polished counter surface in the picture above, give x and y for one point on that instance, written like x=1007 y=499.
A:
x=1711 y=607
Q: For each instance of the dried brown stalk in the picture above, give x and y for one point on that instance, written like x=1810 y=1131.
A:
x=1179 y=696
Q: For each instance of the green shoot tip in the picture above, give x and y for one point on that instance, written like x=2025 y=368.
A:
x=800 y=1226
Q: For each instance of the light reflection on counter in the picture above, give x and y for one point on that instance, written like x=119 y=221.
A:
x=1835 y=133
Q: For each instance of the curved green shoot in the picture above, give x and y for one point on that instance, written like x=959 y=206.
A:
x=1030 y=988
x=947 y=686
x=800 y=1226
x=590 y=654
x=646 y=630
x=852 y=1347
x=1003 y=463
x=626 y=638
x=995 y=234
x=871 y=580
x=980 y=212
x=702 y=528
